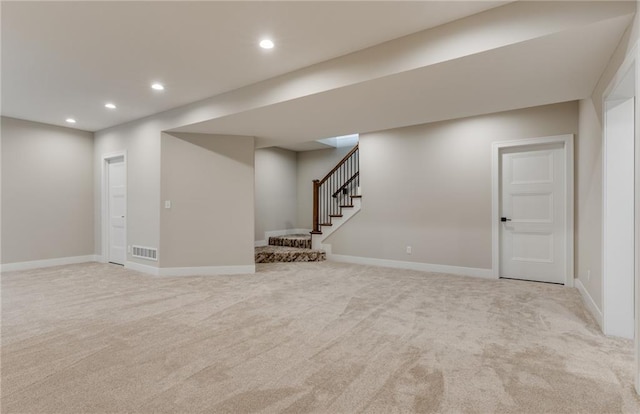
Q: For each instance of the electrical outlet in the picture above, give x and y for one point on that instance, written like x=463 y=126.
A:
x=408 y=249
x=167 y=204
x=129 y=249
x=589 y=274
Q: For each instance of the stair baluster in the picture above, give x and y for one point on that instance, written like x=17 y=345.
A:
x=335 y=190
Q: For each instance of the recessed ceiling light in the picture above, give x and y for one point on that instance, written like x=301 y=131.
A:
x=110 y=105
x=157 y=86
x=266 y=44
x=71 y=120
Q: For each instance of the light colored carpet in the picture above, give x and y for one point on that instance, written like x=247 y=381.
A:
x=303 y=337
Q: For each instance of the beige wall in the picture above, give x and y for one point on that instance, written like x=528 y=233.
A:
x=141 y=141
x=589 y=173
x=429 y=186
x=47 y=192
x=210 y=182
x=588 y=196
x=276 y=172
x=313 y=165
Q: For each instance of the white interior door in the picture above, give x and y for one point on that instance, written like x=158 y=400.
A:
x=618 y=258
x=116 y=186
x=533 y=213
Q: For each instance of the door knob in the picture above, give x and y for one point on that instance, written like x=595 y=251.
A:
x=503 y=219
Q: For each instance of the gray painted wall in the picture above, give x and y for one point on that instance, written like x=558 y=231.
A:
x=141 y=141
x=588 y=217
x=429 y=186
x=47 y=192
x=276 y=172
x=210 y=182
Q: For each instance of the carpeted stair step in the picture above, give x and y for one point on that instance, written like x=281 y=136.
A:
x=301 y=241
x=275 y=254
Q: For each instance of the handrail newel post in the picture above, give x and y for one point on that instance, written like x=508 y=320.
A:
x=316 y=202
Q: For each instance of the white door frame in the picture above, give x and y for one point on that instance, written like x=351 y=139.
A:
x=636 y=163
x=106 y=158
x=496 y=147
x=630 y=60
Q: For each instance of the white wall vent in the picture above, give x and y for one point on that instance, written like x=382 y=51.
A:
x=142 y=252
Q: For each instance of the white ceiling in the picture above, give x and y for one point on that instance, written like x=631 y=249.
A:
x=67 y=59
x=553 y=65
x=512 y=77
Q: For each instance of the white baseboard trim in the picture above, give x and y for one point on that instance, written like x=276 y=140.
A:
x=588 y=300
x=260 y=243
x=150 y=270
x=191 y=271
x=424 y=267
x=207 y=270
x=37 y=264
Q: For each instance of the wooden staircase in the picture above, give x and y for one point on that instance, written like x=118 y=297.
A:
x=336 y=198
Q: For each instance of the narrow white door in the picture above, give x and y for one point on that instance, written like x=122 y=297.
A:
x=117 y=209
x=532 y=228
x=619 y=248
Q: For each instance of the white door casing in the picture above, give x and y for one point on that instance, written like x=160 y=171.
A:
x=114 y=207
x=117 y=209
x=532 y=192
x=533 y=187
x=637 y=225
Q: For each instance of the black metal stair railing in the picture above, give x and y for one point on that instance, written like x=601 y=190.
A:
x=335 y=190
